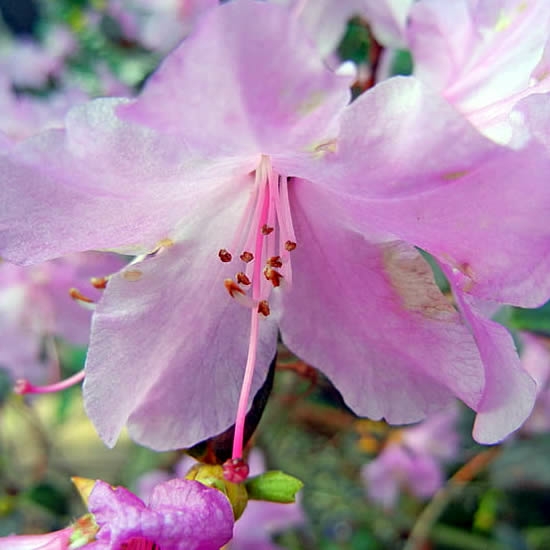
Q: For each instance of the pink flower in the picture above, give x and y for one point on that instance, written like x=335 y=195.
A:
x=276 y=196
x=181 y=515
x=413 y=461
x=35 y=307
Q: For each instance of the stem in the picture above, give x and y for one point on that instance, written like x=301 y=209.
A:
x=425 y=522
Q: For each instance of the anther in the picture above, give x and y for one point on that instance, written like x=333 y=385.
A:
x=232 y=287
x=224 y=255
x=242 y=279
x=99 y=282
x=290 y=245
x=247 y=256
x=266 y=229
x=263 y=308
x=273 y=276
x=75 y=294
x=275 y=261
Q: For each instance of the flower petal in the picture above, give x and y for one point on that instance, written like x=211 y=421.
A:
x=100 y=184
x=168 y=345
x=369 y=315
x=277 y=94
x=184 y=515
x=509 y=393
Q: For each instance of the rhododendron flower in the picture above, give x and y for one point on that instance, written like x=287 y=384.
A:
x=273 y=206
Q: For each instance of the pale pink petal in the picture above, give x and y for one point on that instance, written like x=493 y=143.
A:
x=101 y=184
x=509 y=393
x=480 y=208
x=369 y=315
x=168 y=345
x=278 y=97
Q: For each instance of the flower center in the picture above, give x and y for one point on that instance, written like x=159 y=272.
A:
x=264 y=239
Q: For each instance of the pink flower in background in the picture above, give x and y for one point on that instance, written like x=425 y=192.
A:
x=535 y=358
x=35 y=307
x=413 y=460
x=180 y=515
x=158 y=24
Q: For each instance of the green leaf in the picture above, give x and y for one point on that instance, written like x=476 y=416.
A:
x=273 y=486
x=534 y=320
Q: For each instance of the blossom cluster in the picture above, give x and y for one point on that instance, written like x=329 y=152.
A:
x=257 y=201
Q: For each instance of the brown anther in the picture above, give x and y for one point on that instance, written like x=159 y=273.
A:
x=273 y=276
x=290 y=246
x=132 y=275
x=232 y=287
x=242 y=279
x=99 y=282
x=247 y=256
x=266 y=229
x=275 y=261
x=75 y=294
x=225 y=256
x=263 y=308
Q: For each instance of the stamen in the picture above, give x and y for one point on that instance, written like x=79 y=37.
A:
x=99 y=282
x=263 y=308
x=23 y=386
x=290 y=246
x=242 y=279
x=246 y=256
x=275 y=261
x=224 y=255
x=232 y=287
x=266 y=229
x=273 y=276
x=75 y=294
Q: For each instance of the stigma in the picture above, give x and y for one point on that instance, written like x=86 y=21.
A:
x=263 y=241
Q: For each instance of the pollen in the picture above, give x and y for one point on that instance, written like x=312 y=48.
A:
x=290 y=246
x=273 y=275
x=275 y=261
x=224 y=255
x=263 y=308
x=232 y=287
x=246 y=256
x=75 y=294
x=243 y=279
x=99 y=282
x=266 y=229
